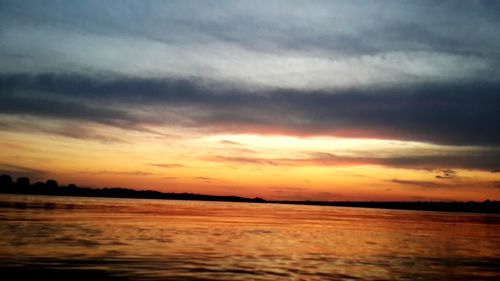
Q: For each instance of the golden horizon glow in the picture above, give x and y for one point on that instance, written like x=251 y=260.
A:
x=250 y=165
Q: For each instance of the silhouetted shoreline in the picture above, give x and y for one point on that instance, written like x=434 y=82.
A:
x=51 y=187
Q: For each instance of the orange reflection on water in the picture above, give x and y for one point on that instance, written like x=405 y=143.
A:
x=162 y=239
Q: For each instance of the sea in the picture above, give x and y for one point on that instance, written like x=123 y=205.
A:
x=78 y=238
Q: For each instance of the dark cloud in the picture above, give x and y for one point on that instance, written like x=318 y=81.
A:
x=45 y=106
x=484 y=160
x=446 y=174
x=429 y=184
x=455 y=114
x=487 y=160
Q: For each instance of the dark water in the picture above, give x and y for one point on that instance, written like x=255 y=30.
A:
x=67 y=238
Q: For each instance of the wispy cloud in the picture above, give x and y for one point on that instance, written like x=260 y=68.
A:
x=206 y=179
x=22 y=171
x=120 y=173
x=487 y=160
x=246 y=160
x=228 y=142
x=429 y=184
x=168 y=165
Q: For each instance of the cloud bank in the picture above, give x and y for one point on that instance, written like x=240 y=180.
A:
x=302 y=45
x=454 y=114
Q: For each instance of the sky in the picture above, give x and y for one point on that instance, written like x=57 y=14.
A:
x=292 y=100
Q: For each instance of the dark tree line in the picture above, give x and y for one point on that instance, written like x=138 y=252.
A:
x=51 y=187
x=23 y=185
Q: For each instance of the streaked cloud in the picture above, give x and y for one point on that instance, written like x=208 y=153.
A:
x=457 y=114
x=120 y=173
x=428 y=184
x=266 y=43
x=481 y=160
x=168 y=165
x=22 y=171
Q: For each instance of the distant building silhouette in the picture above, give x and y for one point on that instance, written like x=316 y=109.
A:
x=23 y=182
x=51 y=184
x=5 y=181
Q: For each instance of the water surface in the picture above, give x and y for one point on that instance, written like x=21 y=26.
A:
x=140 y=239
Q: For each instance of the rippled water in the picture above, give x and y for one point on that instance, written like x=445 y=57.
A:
x=136 y=239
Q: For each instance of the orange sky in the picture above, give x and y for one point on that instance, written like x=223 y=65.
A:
x=272 y=167
x=320 y=100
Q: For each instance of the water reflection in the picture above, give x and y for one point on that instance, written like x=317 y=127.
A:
x=135 y=239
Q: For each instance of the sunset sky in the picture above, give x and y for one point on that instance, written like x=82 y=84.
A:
x=319 y=100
